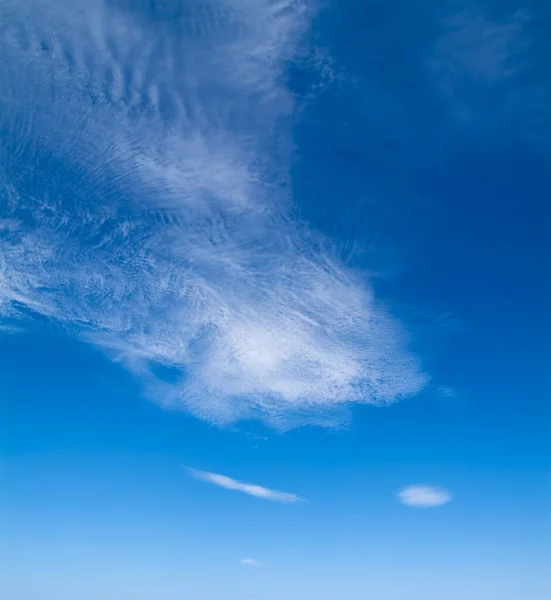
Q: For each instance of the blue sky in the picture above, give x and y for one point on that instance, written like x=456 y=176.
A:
x=274 y=300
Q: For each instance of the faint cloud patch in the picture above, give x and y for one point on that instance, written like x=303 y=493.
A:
x=446 y=392
x=489 y=68
x=481 y=47
x=251 y=562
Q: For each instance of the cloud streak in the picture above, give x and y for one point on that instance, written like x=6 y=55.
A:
x=251 y=489
x=146 y=175
x=421 y=496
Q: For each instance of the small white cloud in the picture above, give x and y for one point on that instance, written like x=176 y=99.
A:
x=247 y=488
x=250 y=561
x=423 y=496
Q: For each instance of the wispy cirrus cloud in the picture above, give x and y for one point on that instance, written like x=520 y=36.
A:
x=422 y=496
x=251 y=489
x=155 y=221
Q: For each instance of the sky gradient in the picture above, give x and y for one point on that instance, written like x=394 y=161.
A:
x=274 y=300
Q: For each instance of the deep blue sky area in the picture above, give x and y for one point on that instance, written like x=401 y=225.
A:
x=274 y=300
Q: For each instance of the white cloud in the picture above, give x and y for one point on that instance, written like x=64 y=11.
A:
x=247 y=488
x=423 y=496
x=156 y=223
x=250 y=561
